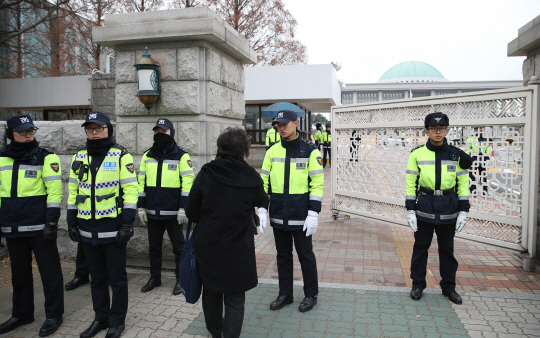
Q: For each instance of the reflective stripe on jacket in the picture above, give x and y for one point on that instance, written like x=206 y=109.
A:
x=100 y=205
x=165 y=182
x=30 y=193
x=436 y=169
x=293 y=176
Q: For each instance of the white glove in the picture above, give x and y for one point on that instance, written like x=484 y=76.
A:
x=182 y=219
x=461 y=221
x=142 y=216
x=312 y=220
x=263 y=218
x=411 y=219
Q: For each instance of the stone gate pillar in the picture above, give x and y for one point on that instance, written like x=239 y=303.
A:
x=202 y=81
x=202 y=76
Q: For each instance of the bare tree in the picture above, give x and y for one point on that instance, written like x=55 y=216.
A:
x=185 y=3
x=269 y=27
x=130 y=6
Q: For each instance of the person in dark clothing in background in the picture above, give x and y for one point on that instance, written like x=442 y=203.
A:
x=221 y=202
x=81 y=270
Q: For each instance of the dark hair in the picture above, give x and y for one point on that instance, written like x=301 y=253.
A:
x=233 y=142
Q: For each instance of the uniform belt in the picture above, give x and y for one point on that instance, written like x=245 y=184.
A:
x=427 y=191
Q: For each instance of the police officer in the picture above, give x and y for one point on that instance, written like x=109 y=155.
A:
x=317 y=136
x=101 y=211
x=479 y=150
x=293 y=177
x=272 y=135
x=31 y=192
x=327 y=145
x=437 y=199
x=165 y=179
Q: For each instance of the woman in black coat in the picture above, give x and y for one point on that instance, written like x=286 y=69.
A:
x=221 y=202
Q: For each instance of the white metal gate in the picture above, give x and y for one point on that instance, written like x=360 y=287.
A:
x=371 y=144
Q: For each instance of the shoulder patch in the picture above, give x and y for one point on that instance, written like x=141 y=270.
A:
x=420 y=146
x=309 y=143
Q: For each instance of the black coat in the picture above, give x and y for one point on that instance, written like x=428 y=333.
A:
x=221 y=202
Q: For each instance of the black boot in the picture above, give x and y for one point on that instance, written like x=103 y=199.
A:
x=152 y=283
x=307 y=304
x=416 y=293
x=14 y=323
x=94 y=328
x=454 y=297
x=177 y=289
x=50 y=326
x=75 y=283
x=115 y=331
x=281 y=301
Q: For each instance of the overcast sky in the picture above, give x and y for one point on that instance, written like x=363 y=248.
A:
x=464 y=40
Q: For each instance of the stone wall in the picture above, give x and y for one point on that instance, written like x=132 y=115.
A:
x=104 y=93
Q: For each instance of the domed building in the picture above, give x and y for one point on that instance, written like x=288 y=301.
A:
x=414 y=79
x=412 y=71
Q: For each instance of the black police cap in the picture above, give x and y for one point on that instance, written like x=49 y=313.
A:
x=20 y=122
x=434 y=119
x=286 y=116
x=97 y=117
x=164 y=124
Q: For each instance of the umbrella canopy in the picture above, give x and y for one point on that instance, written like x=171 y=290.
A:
x=273 y=109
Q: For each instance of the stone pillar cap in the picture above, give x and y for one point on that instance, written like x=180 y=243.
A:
x=194 y=23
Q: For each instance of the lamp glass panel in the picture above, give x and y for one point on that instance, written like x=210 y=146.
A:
x=145 y=82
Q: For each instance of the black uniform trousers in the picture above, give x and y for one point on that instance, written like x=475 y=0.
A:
x=156 y=229
x=326 y=150
x=108 y=261
x=81 y=268
x=48 y=261
x=447 y=261
x=304 y=249
x=230 y=325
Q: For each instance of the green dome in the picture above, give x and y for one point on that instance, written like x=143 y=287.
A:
x=412 y=69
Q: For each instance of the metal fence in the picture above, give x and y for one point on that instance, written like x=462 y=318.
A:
x=371 y=144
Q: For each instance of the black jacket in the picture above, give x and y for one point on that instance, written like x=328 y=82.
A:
x=221 y=202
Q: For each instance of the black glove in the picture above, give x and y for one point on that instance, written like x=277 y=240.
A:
x=124 y=234
x=74 y=233
x=50 y=232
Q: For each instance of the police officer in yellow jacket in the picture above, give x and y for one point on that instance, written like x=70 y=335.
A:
x=437 y=199
x=326 y=140
x=30 y=196
x=272 y=135
x=101 y=210
x=165 y=179
x=293 y=177
x=317 y=136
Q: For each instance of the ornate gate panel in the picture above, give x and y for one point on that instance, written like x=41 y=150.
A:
x=372 y=143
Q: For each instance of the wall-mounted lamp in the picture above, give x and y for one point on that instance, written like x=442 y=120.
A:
x=149 y=74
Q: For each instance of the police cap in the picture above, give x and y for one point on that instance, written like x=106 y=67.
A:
x=98 y=118
x=20 y=122
x=164 y=124
x=286 y=116
x=434 y=119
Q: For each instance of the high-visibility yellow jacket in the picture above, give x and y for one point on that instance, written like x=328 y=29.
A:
x=164 y=182
x=478 y=146
x=100 y=205
x=317 y=136
x=326 y=139
x=293 y=177
x=436 y=168
x=30 y=192
x=272 y=136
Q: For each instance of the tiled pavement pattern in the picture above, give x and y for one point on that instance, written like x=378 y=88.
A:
x=369 y=252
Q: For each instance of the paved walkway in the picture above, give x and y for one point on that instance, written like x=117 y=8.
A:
x=363 y=270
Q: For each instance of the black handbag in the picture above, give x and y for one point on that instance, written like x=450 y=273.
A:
x=190 y=280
